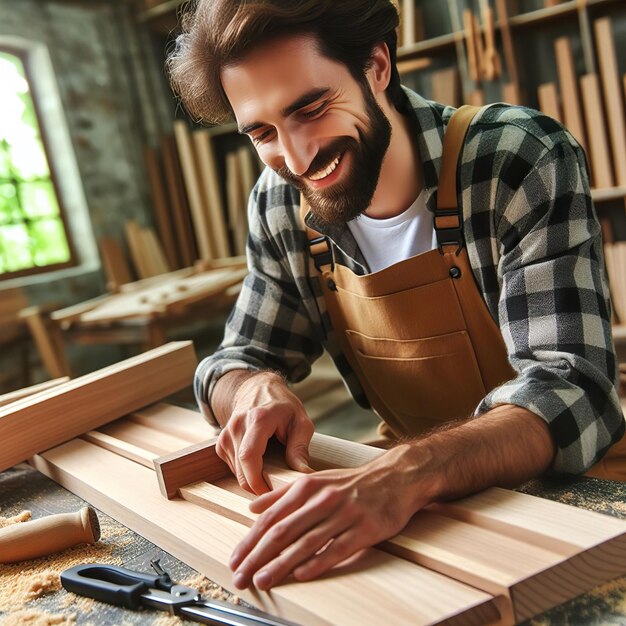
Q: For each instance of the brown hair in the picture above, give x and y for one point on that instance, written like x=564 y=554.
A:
x=221 y=32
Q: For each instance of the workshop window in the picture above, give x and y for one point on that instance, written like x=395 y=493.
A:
x=33 y=233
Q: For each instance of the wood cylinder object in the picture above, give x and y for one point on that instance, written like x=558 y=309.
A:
x=47 y=535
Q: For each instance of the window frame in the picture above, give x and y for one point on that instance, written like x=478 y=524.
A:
x=23 y=56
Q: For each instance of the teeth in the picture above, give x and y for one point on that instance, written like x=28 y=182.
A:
x=323 y=173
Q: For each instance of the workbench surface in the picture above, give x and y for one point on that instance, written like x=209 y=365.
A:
x=22 y=488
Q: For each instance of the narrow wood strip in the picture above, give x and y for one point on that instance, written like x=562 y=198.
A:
x=549 y=101
x=122 y=448
x=408 y=22
x=194 y=193
x=613 y=98
x=150 y=439
x=365 y=591
x=33 y=424
x=568 y=82
x=602 y=172
x=26 y=392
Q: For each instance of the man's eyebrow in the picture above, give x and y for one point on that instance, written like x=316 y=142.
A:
x=304 y=100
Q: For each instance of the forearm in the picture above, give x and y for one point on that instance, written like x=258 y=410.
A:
x=506 y=446
x=230 y=384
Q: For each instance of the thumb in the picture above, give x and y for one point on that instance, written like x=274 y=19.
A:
x=297 y=451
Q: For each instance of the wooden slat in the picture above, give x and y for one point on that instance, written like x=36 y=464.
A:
x=613 y=97
x=408 y=22
x=601 y=170
x=114 y=262
x=18 y=394
x=549 y=101
x=134 y=239
x=31 y=425
x=212 y=192
x=122 y=448
x=238 y=228
x=377 y=586
x=185 y=241
x=446 y=86
x=568 y=82
x=194 y=192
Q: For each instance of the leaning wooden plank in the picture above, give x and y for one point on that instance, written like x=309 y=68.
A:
x=238 y=229
x=365 y=591
x=26 y=392
x=35 y=424
x=568 y=82
x=408 y=22
x=602 y=173
x=194 y=192
x=549 y=101
x=212 y=192
x=613 y=98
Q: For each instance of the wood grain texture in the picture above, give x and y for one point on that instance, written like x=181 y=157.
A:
x=18 y=394
x=361 y=592
x=34 y=424
x=568 y=82
x=613 y=96
x=601 y=170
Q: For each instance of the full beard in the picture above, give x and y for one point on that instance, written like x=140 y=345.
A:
x=346 y=200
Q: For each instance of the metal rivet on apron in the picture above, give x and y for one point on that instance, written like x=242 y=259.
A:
x=455 y=272
x=330 y=283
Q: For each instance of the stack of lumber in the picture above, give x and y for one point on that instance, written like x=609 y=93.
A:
x=498 y=557
x=592 y=106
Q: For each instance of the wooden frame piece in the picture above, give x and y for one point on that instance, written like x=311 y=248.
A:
x=18 y=394
x=548 y=96
x=362 y=591
x=34 y=424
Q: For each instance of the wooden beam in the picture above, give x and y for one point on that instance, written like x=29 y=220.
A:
x=34 y=424
x=363 y=591
x=549 y=101
x=613 y=96
x=18 y=394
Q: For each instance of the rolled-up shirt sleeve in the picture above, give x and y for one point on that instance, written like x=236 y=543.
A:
x=554 y=310
x=269 y=327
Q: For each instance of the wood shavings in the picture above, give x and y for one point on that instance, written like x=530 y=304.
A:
x=210 y=589
x=24 y=516
x=30 y=617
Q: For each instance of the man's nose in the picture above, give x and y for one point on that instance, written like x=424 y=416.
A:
x=298 y=153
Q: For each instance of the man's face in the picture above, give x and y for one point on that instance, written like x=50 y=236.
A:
x=312 y=122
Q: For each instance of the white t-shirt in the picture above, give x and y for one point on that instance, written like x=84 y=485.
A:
x=384 y=242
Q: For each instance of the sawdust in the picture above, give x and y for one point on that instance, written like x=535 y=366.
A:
x=167 y=620
x=28 y=580
x=24 y=516
x=30 y=617
x=210 y=589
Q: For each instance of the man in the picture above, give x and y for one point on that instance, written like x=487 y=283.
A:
x=313 y=84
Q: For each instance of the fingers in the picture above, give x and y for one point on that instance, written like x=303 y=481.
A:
x=297 y=445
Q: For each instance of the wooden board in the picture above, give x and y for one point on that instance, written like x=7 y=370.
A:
x=212 y=192
x=365 y=591
x=18 y=394
x=568 y=82
x=548 y=96
x=446 y=86
x=509 y=544
x=601 y=170
x=36 y=423
x=189 y=166
x=613 y=97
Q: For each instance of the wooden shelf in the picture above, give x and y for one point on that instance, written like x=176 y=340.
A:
x=428 y=45
x=549 y=13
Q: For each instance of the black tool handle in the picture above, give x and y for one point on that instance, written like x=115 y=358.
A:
x=110 y=583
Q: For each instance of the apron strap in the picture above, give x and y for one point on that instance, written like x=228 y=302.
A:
x=448 y=222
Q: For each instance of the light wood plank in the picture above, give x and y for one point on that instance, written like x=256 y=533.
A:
x=601 y=170
x=33 y=424
x=18 y=394
x=613 y=98
x=194 y=192
x=446 y=86
x=361 y=592
x=568 y=82
x=549 y=101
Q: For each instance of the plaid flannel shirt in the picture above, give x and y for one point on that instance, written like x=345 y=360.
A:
x=534 y=244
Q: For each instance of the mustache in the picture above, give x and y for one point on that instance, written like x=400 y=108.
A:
x=323 y=158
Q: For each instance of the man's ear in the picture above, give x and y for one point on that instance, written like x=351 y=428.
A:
x=379 y=72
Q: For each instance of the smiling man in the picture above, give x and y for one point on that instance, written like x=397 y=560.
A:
x=467 y=305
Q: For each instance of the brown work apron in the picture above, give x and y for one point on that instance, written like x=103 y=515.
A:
x=418 y=334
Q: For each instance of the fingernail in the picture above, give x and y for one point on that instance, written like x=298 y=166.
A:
x=240 y=581
x=234 y=561
x=263 y=580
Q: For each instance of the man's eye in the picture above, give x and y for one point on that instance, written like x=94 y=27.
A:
x=258 y=139
x=314 y=112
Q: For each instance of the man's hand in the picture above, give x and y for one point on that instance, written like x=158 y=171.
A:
x=262 y=406
x=324 y=518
